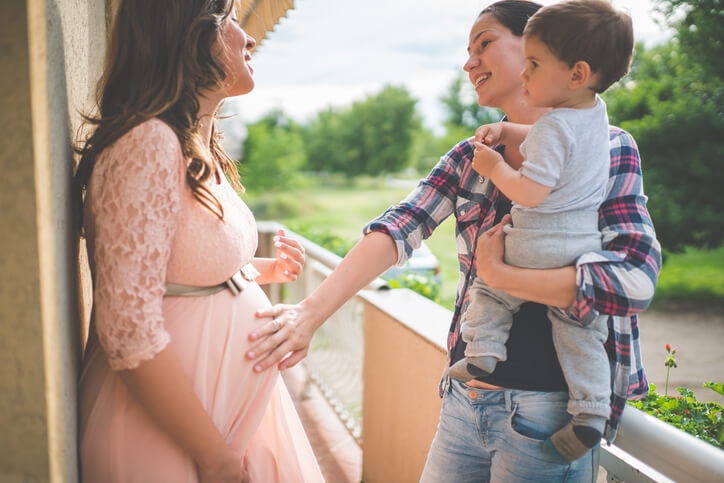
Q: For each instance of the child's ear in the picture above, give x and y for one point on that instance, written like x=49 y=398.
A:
x=580 y=74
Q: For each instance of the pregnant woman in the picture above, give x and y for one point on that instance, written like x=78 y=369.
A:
x=166 y=393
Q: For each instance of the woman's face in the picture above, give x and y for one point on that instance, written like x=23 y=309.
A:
x=236 y=57
x=496 y=59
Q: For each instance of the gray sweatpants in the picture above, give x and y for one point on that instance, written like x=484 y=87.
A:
x=546 y=241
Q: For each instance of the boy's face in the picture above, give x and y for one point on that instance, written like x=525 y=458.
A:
x=546 y=77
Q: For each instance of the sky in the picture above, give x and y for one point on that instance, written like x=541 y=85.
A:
x=333 y=52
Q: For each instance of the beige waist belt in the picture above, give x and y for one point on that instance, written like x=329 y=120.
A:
x=236 y=284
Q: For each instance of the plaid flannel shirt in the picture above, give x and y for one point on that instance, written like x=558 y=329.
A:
x=617 y=281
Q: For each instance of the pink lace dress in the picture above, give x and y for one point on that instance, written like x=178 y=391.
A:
x=144 y=228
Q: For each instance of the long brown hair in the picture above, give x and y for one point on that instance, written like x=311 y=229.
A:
x=159 y=59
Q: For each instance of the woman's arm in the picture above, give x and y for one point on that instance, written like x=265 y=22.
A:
x=555 y=286
x=390 y=238
x=162 y=388
x=621 y=279
x=372 y=255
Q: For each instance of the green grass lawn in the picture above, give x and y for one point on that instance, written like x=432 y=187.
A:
x=694 y=277
x=343 y=208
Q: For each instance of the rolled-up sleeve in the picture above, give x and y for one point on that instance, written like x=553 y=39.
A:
x=416 y=217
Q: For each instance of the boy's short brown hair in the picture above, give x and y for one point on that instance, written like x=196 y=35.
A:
x=588 y=30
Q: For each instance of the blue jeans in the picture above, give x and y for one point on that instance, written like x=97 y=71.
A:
x=498 y=436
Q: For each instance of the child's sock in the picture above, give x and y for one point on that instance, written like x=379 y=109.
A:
x=469 y=368
x=576 y=438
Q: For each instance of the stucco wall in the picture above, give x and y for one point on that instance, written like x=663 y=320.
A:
x=23 y=434
x=50 y=58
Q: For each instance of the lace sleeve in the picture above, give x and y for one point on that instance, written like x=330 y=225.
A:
x=134 y=200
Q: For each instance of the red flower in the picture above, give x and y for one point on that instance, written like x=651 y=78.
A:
x=686 y=411
x=668 y=347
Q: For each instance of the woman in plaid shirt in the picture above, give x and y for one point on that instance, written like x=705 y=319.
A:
x=494 y=428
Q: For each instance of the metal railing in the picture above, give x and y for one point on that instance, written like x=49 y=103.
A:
x=646 y=449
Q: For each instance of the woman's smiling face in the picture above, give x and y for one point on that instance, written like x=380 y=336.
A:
x=495 y=60
x=236 y=54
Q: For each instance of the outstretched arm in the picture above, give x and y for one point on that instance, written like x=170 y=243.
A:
x=372 y=255
x=390 y=238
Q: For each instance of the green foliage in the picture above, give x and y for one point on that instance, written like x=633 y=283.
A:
x=672 y=102
x=427 y=286
x=323 y=237
x=453 y=135
x=700 y=30
x=461 y=104
x=705 y=420
x=272 y=153
x=670 y=363
x=692 y=277
x=373 y=136
x=717 y=387
x=274 y=206
x=425 y=151
x=325 y=140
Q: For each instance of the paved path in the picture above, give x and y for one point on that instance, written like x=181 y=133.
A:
x=698 y=338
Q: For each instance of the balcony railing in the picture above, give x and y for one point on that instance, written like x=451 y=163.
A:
x=378 y=361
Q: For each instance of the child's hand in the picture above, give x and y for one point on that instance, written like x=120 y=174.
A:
x=290 y=258
x=489 y=134
x=485 y=160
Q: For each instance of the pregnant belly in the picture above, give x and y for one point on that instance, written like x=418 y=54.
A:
x=222 y=319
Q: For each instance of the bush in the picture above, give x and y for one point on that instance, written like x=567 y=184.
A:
x=324 y=238
x=428 y=287
x=705 y=420
x=274 y=206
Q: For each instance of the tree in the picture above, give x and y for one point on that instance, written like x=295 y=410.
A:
x=700 y=31
x=671 y=103
x=461 y=104
x=272 y=153
x=372 y=136
x=383 y=128
x=325 y=141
